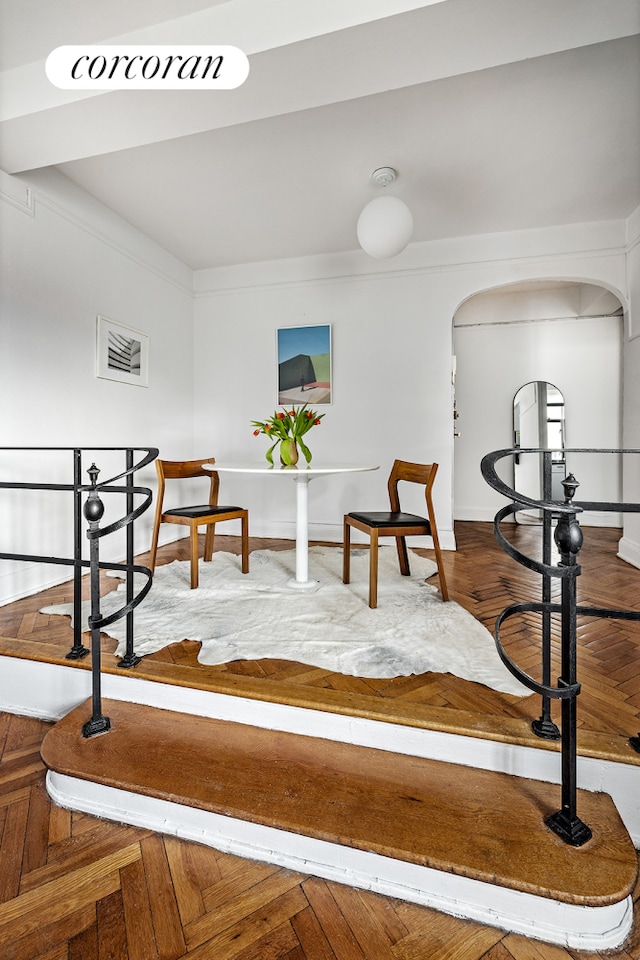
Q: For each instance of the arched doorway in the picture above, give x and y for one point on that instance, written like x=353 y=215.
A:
x=568 y=333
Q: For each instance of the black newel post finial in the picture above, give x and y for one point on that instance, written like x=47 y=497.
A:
x=568 y=534
x=94 y=507
x=570 y=485
x=93 y=512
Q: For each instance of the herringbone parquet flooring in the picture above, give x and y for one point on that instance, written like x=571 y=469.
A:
x=76 y=888
x=482 y=578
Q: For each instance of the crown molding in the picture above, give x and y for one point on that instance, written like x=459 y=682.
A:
x=81 y=211
x=595 y=241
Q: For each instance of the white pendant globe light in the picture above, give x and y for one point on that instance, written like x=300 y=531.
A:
x=385 y=225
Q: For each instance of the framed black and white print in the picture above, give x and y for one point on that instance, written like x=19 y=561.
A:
x=304 y=364
x=123 y=353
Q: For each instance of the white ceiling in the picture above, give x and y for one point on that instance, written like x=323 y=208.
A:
x=497 y=114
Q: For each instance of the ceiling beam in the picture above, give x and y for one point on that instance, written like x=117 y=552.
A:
x=318 y=58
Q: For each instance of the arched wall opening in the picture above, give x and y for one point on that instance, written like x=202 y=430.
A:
x=566 y=332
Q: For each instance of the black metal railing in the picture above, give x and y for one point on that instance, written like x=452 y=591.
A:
x=568 y=538
x=93 y=511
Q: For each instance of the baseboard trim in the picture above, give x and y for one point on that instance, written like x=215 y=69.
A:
x=629 y=551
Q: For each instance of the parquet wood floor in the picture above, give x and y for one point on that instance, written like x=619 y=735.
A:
x=76 y=888
x=482 y=578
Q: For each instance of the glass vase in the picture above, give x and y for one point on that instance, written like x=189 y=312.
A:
x=288 y=453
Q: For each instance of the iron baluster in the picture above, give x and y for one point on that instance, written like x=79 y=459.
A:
x=78 y=650
x=93 y=511
x=544 y=726
x=130 y=659
x=569 y=541
x=568 y=536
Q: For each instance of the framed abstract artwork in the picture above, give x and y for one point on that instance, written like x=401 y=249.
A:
x=304 y=364
x=122 y=353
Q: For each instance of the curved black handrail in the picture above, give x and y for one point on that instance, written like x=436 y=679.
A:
x=487 y=466
x=568 y=537
x=93 y=510
x=554 y=509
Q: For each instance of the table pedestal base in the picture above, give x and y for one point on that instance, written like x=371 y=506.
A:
x=308 y=585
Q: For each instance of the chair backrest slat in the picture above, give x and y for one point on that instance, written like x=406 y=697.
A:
x=424 y=473
x=185 y=470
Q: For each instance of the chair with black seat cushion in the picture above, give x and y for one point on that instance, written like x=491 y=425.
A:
x=395 y=523
x=207 y=514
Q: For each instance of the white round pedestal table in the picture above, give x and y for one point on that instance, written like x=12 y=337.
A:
x=302 y=475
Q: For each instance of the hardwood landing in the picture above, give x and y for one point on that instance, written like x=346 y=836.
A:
x=73 y=887
x=374 y=818
x=483 y=580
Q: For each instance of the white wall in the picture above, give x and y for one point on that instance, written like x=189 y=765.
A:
x=630 y=544
x=66 y=259
x=386 y=367
x=392 y=350
x=583 y=358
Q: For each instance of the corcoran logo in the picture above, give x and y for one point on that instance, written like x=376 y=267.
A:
x=147 y=67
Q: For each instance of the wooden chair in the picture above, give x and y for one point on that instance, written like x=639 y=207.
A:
x=207 y=514
x=395 y=523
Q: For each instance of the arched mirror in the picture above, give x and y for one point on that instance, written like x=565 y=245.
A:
x=538 y=422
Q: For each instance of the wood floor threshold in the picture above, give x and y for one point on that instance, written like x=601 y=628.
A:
x=477 y=824
x=501 y=729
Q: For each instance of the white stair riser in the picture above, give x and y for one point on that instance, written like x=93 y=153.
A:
x=50 y=691
x=579 y=927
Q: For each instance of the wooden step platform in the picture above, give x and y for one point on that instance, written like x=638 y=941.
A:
x=472 y=843
x=35 y=683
